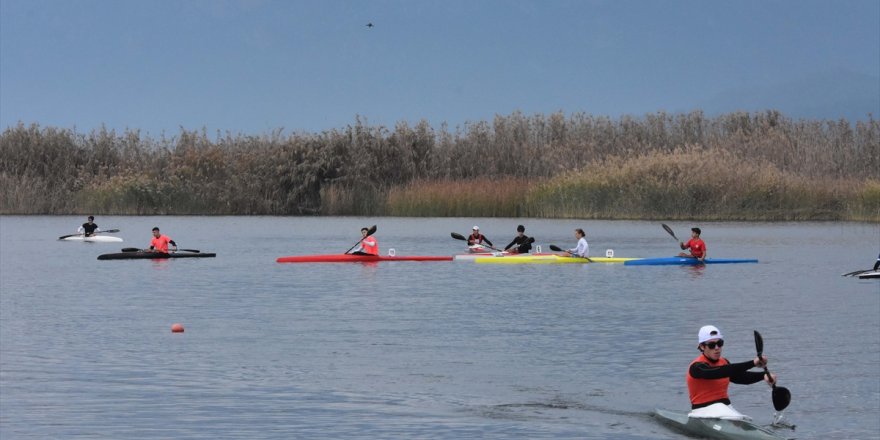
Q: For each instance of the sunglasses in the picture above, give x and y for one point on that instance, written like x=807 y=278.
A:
x=712 y=345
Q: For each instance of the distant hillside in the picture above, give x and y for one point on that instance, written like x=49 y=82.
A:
x=833 y=95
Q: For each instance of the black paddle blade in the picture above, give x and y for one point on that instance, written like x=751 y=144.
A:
x=195 y=251
x=669 y=230
x=553 y=247
x=759 y=343
x=781 y=398
x=458 y=236
x=371 y=231
x=130 y=249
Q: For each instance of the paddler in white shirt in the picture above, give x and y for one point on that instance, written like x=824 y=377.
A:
x=368 y=245
x=583 y=248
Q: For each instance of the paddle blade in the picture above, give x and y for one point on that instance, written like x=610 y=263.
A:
x=111 y=231
x=195 y=251
x=781 y=398
x=458 y=236
x=65 y=236
x=371 y=231
x=759 y=343
x=669 y=230
x=555 y=248
x=130 y=249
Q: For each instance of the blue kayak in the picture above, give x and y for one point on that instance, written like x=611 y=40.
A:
x=684 y=261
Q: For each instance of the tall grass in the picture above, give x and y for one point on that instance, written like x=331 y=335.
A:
x=693 y=183
x=790 y=165
x=480 y=197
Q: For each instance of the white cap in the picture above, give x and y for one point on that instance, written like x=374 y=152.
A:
x=709 y=332
x=476 y=228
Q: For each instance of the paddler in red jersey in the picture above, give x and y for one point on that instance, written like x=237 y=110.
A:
x=709 y=375
x=368 y=245
x=477 y=238
x=695 y=244
x=160 y=242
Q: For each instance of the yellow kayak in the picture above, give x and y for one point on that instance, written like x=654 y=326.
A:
x=548 y=259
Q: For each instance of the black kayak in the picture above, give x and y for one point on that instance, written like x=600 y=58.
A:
x=140 y=255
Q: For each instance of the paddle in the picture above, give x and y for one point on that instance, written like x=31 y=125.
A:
x=462 y=238
x=857 y=272
x=370 y=232
x=669 y=230
x=559 y=249
x=781 y=395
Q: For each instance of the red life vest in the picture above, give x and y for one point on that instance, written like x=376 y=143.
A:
x=476 y=239
x=370 y=245
x=160 y=243
x=707 y=390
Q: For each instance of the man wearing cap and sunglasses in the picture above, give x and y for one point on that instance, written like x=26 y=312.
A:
x=710 y=374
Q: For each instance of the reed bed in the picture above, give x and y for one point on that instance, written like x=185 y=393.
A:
x=481 y=197
x=693 y=183
x=742 y=165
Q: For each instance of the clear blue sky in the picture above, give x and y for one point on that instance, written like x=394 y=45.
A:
x=251 y=66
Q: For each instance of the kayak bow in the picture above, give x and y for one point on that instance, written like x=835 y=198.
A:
x=715 y=428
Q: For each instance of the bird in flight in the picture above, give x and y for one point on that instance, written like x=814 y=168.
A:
x=369 y=25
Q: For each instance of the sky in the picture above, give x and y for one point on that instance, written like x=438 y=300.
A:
x=257 y=66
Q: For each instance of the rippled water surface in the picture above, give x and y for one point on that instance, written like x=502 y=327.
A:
x=422 y=350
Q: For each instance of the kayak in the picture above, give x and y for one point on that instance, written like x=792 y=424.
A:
x=474 y=256
x=548 y=259
x=868 y=275
x=140 y=255
x=93 y=238
x=349 y=258
x=715 y=428
x=684 y=261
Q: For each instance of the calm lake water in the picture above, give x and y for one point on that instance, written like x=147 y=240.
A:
x=422 y=350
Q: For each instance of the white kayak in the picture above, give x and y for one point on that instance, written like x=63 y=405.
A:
x=92 y=239
x=869 y=274
x=728 y=425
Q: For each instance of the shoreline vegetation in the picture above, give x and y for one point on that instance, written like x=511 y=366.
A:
x=737 y=166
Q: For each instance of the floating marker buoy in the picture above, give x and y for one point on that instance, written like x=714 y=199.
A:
x=176 y=328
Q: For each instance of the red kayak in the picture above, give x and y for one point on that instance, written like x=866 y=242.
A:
x=349 y=258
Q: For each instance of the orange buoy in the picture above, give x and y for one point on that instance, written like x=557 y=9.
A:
x=176 y=328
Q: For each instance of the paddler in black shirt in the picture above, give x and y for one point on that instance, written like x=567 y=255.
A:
x=88 y=228
x=520 y=243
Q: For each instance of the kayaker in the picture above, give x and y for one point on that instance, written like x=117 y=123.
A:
x=582 y=249
x=477 y=238
x=695 y=244
x=709 y=374
x=520 y=243
x=160 y=242
x=368 y=245
x=89 y=228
